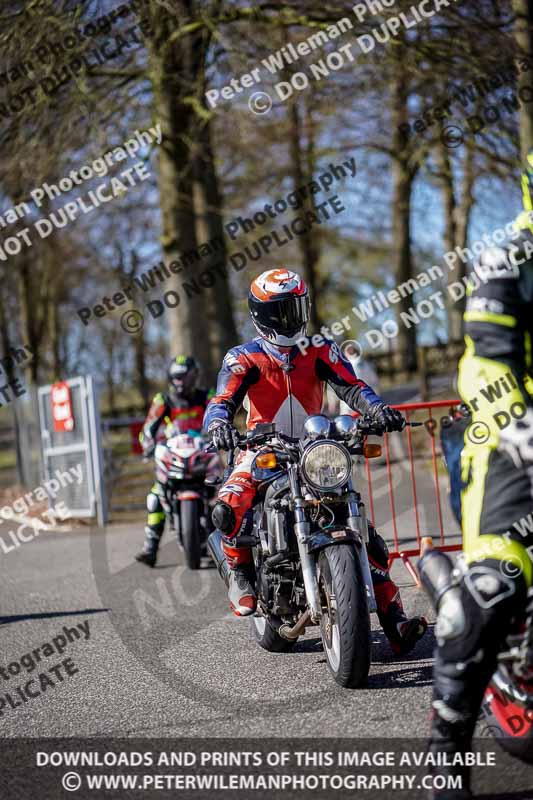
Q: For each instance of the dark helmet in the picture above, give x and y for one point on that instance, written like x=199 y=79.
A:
x=279 y=305
x=183 y=374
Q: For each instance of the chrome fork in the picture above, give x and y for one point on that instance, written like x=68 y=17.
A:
x=301 y=528
x=358 y=523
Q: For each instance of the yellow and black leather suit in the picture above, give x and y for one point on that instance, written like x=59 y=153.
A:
x=490 y=587
x=495 y=383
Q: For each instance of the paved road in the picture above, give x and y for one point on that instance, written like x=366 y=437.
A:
x=164 y=656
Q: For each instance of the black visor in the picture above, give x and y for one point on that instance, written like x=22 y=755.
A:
x=178 y=371
x=286 y=315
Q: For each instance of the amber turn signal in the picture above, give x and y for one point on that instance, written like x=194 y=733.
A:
x=266 y=460
x=372 y=450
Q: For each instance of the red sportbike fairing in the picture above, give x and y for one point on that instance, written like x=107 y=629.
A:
x=188 y=474
x=508 y=702
x=507 y=707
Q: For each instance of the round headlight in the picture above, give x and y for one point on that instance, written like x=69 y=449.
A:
x=316 y=426
x=326 y=465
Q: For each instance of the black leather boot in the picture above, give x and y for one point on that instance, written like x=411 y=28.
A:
x=148 y=554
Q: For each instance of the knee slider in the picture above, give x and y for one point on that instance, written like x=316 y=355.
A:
x=152 y=502
x=223 y=517
x=459 y=633
x=451 y=619
x=461 y=600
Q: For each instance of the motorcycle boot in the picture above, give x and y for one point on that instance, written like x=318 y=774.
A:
x=402 y=632
x=456 y=701
x=237 y=549
x=241 y=578
x=148 y=555
x=153 y=530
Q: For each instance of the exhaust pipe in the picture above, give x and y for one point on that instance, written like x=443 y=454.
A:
x=214 y=545
x=287 y=632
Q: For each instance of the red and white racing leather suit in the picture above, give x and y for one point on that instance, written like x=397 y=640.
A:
x=285 y=388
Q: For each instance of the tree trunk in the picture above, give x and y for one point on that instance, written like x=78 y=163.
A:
x=176 y=68
x=210 y=228
x=54 y=333
x=143 y=386
x=5 y=341
x=467 y=201
x=36 y=278
x=32 y=329
x=523 y=32
x=402 y=178
x=462 y=219
x=128 y=274
x=454 y=309
x=307 y=241
x=110 y=385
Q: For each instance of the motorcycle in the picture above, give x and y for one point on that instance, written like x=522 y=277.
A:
x=189 y=475
x=507 y=707
x=309 y=538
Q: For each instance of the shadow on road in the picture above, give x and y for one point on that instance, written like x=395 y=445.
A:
x=208 y=565
x=408 y=676
x=525 y=795
x=308 y=646
x=425 y=648
x=50 y=615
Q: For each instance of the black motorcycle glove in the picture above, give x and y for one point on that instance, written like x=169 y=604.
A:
x=388 y=417
x=223 y=435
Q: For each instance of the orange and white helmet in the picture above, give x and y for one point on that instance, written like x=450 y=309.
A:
x=279 y=305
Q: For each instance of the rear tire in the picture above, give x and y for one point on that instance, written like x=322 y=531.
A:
x=267 y=638
x=345 y=624
x=190 y=533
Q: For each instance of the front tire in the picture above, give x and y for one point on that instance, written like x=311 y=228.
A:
x=517 y=740
x=520 y=747
x=191 y=534
x=267 y=638
x=345 y=623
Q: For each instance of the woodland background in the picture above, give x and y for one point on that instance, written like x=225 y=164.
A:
x=409 y=204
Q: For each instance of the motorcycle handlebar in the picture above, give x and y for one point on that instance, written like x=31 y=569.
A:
x=367 y=427
x=246 y=441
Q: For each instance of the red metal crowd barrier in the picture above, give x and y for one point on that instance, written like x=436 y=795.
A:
x=439 y=534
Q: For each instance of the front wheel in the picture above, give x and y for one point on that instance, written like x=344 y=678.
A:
x=345 y=622
x=190 y=533
x=520 y=746
x=510 y=724
x=267 y=638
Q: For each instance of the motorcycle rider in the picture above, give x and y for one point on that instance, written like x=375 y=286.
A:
x=183 y=406
x=479 y=603
x=280 y=382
